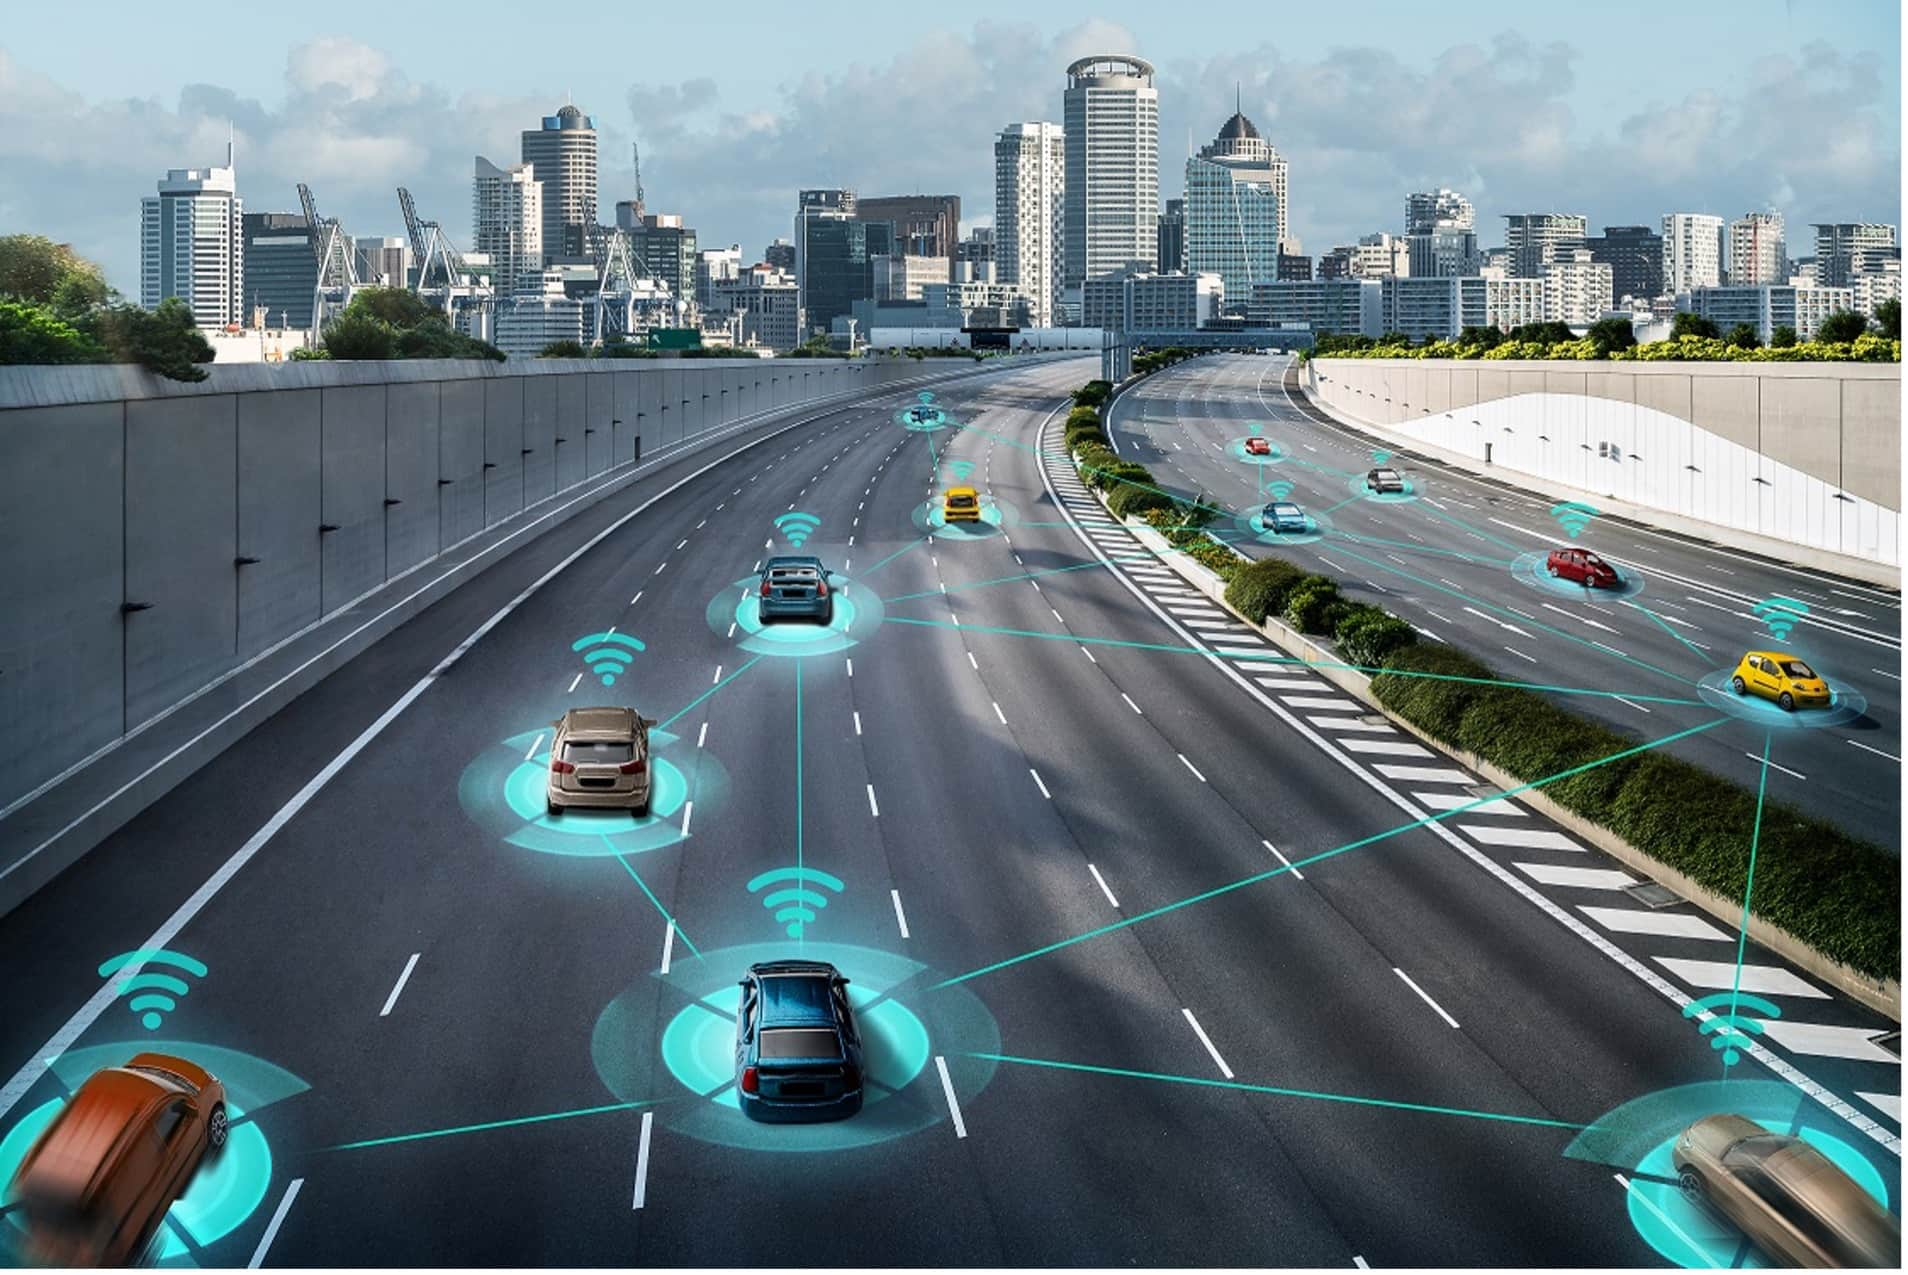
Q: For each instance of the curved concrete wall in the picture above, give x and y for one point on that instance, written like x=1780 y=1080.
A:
x=1808 y=454
x=239 y=510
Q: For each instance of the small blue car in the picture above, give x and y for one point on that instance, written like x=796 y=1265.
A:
x=1282 y=516
x=796 y=589
x=797 y=1051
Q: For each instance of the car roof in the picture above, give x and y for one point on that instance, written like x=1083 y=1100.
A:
x=789 y=560
x=796 y=993
x=600 y=721
x=962 y=491
x=1772 y=655
x=74 y=1156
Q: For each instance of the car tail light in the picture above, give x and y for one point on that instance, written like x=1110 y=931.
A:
x=560 y=767
x=821 y=588
x=636 y=767
x=751 y=1080
x=851 y=1077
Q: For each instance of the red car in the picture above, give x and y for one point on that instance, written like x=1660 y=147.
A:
x=1583 y=567
x=1258 y=447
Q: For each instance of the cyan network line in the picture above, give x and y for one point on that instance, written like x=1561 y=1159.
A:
x=1210 y=1082
x=1461 y=525
x=1748 y=888
x=677 y=716
x=1140 y=555
x=491 y=1124
x=1321 y=856
x=1359 y=537
x=1286 y=661
x=1663 y=625
x=651 y=895
x=1085 y=469
x=912 y=544
x=801 y=862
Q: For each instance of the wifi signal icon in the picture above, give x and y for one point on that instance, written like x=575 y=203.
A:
x=1255 y=427
x=152 y=993
x=610 y=654
x=926 y=396
x=797 y=526
x=958 y=470
x=1729 y=1031
x=795 y=906
x=1379 y=455
x=1780 y=614
x=1573 y=516
x=1278 y=490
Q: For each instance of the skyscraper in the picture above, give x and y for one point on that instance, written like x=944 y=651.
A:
x=1692 y=251
x=508 y=219
x=1440 y=209
x=1846 y=249
x=1234 y=213
x=1172 y=236
x=667 y=248
x=1535 y=239
x=563 y=153
x=1029 y=214
x=381 y=258
x=1635 y=257
x=191 y=244
x=1112 y=169
x=834 y=256
x=924 y=225
x=281 y=268
x=1756 y=253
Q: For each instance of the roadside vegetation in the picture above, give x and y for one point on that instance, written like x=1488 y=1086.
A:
x=1835 y=892
x=56 y=308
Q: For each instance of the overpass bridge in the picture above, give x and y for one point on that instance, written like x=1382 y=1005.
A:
x=1117 y=347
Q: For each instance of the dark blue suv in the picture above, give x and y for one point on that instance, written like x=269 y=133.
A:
x=795 y=588
x=797 y=1052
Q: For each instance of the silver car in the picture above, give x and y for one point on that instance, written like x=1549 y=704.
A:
x=600 y=759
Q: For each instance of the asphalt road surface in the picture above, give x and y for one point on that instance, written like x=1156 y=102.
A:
x=1157 y=968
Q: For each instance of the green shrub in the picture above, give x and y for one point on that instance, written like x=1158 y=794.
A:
x=1366 y=635
x=1093 y=393
x=1436 y=698
x=1260 y=588
x=1083 y=416
x=1088 y=433
x=1126 y=501
x=1212 y=554
x=1309 y=608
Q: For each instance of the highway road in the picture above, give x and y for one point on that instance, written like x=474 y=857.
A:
x=1445 y=560
x=1162 y=965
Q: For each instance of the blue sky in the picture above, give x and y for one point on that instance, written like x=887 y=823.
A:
x=1623 y=111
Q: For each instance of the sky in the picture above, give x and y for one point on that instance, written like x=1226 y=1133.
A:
x=1623 y=111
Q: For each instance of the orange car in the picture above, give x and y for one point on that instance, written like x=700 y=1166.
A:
x=95 y=1186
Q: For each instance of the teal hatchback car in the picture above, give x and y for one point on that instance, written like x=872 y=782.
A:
x=797 y=1050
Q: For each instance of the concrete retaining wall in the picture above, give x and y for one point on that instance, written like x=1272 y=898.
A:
x=1804 y=454
x=234 y=512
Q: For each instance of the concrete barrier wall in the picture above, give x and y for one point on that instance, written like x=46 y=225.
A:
x=1807 y=454
x=234 y=512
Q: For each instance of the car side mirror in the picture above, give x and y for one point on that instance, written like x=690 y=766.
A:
x=557 y=722
x=648 y=722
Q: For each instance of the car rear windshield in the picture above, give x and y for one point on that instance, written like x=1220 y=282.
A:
x=1285 y=511
x=1796 y=668
x=793 y=575
x=599 y=752
x=960 y=500
x=800 y=1042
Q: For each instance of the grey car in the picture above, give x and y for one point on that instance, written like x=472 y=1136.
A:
x=794 y=588
x=599 y=759
x=1384 y=479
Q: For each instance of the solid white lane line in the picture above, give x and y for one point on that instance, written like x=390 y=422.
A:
x=1040 y=783
x=278 y=1220
x=702 y=735
x=642 y=1162
x=857 y=721
x=573 y=682
x=1088 y=654
x=900 y=917
x=1519 y=654
x=1424 y=995
x=638 y=598
x=1662 y=924
x=1189 y=766
x=997 y=713
x=1101 y=881
x=873 y=807
x=403 y=978
x=669 y=946
x=1130 y=704
x=1878 y=752
x=1773 y=766
x=1207 y=1042
x=535 y=744
x=1357 y=1261
x=947 y=1090
x=972 y=662
x=1632 y=703
x=717 y=677
x=688 y=808
x=1277 y=853
x=851 y=666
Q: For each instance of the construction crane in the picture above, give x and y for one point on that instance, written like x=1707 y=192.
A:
x=337 y=263
x=443 y=277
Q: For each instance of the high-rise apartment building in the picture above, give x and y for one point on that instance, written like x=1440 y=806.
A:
x=1756 y=250
x=1111 y=115
x=1234 y=211
x=1577 y=288
x=383 y=260
x=563 y=153
x=192 y=244
x=1377 y=256
x=924 y=225
x=1440 y=209
x=780 y=254
x=765 y=299
x=1635 y=257
x=1845 y=249
x=508 y=219
x=1692 y=251
x=714 y=266
x=1172 y=236
x=1030 y=166
x=281 y=268
x=667 y=249
x=812 y=208
x=834 y=256
x=1445 y=252
x=1534 y=239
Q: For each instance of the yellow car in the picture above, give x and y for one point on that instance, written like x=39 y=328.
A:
x=1781 y=677
x=962 y=504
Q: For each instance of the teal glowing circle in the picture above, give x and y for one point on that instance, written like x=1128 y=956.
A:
x=1718 y=691
x=502 y=790
x=1694 y=1235
x=1236 y=448
x=735 y=613
x=228 y=1186
x=1410 y=493
x=1533 y=572
x=936 y=419
x=697 y=1046
x=931 y=517
x=1253 y=523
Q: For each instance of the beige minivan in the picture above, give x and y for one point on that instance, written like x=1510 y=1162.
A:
x=600 y=760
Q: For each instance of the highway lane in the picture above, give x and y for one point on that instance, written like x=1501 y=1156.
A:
x=907 y=783
x=1444 y=562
